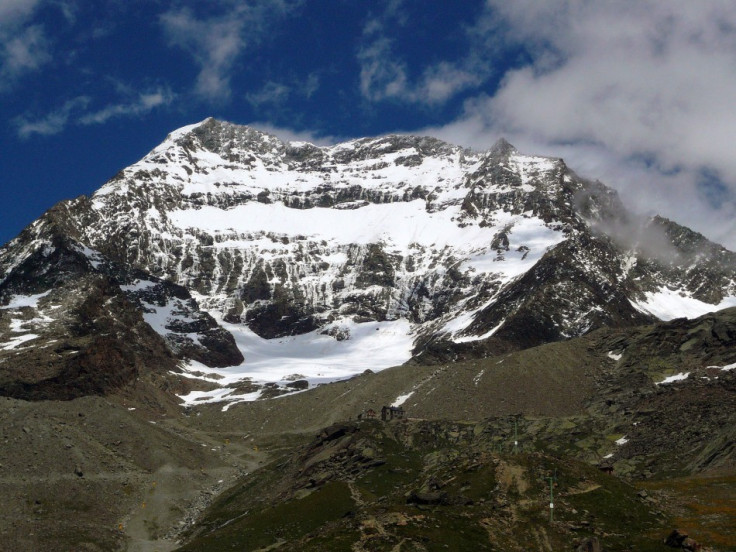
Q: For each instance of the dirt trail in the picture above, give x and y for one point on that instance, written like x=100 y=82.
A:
x=583 y=488
x=175 y=496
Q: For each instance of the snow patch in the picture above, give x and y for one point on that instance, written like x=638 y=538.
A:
x=401 y=399
x=489 y=333
x=677 y=377
x=667 y=304
x=138 y=285
x=622 y=441
x=95 y=257
x=398 y=224
x=20 y=301
x=16 y=341
x=161 y=316
x=614 y=356
x=217 y=395
x=476 y=379
x=725 y=368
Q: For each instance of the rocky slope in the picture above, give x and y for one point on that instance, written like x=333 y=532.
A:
x=471 y=467
x=426 y=486
x=77 y=324
x=225 y=242
x=141 y=469
x=667 y=388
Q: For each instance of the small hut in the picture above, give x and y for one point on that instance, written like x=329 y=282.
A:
x=391 y=412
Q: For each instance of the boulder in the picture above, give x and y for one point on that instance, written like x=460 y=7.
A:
x=591 y=544
x=427 y=497
x=680 y=540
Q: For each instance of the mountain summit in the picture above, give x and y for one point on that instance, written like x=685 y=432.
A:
x=255 y=267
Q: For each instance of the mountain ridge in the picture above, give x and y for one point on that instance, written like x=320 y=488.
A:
x=529 y=326
x=435 y=245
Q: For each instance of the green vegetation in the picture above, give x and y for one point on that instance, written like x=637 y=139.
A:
x=288 y=520
x=429 y=486
x=706 y=506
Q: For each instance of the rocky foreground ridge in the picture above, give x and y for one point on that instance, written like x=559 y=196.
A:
x=224 y=236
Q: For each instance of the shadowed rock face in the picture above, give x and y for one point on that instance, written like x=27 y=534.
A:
x=96 y=357
x=79 y=331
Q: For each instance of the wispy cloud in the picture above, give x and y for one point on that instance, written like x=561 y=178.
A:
x=291 y=135
x=444 y=80
x=310 y=85
x=384 y=74
x=216 y=42
x=14 y=12
x=274 y=96
x=213 y=43
x=143 y=104
x=638 y=94
x=69 y=9
x=25 y=51
x=74 y=112
x=51 y=123
x=270 y=93
x=24 y=47
x=382 y=77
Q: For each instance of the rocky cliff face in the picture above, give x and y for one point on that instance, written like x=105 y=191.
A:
x=75 y=323
x=223 y=229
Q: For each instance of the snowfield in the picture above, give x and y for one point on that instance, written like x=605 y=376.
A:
x=313 y=357
x=667 y=304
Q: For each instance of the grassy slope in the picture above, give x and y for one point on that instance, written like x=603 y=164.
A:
x=484 y=501
x=569 y=400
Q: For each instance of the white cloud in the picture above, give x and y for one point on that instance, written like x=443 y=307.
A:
x=216 y=42
x=276 y=94
x=442 y=81
x=73 y=113
x=68 y=9
x=25 y=51
x=143 y=104
x=23 y=46
x=14 y=12
x=53 y=122
x=270 y=93
x=310 y=85
x=638 y=80
x=381 y=76
x=638 y=94
x=290 y=135
x=384 y=75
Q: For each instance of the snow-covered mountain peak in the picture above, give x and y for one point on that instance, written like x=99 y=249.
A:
x=437 y=250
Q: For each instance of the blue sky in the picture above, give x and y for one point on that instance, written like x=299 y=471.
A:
x=639 y=94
